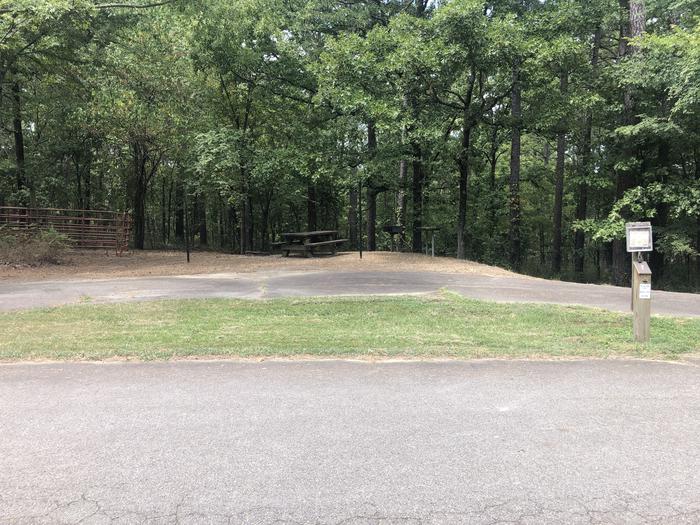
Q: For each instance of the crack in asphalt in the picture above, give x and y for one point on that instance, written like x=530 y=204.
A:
x=621 y=508
x=340 y=443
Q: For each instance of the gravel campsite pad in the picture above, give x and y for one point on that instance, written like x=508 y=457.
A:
x=98 y=265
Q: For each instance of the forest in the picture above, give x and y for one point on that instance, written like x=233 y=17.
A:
x=528 y=131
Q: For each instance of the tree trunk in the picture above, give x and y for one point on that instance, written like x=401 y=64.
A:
x=169 y=213
x=371 y=192
x=140 y=187
x=265 y=223
x=203 y=233
x=697 y=248
x=221 y=225
x=242 y=225
x=637 y=17
x=163 y=213
x=660 y=221
x=493 y=161
x=139 y=203
x=18 y=133
x=559 y=184
x=352 y=218
x=311 y=208
x=417 y=190
x=514 y=200
x=402 y=199
x=78 y=184
x=402 y=196
x=586 y=170
x=696 y=157
x=371 y=219
x=463 y=163
x=542 y=246
x=581 y=214
x=558 y=204
x=632 y=26
x=179 y=212
x=232 y=220
x=87 y=168
x=249 y=226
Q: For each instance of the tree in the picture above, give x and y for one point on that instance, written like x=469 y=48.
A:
x=529 y=131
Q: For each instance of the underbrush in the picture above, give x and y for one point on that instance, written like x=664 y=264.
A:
x=32 y=247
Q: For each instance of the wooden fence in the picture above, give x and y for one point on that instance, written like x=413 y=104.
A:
x=96 y=229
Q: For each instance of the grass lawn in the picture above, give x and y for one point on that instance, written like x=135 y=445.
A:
x=422 y=327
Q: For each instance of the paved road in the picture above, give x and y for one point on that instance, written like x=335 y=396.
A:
x=290 y=284
x=342 y=442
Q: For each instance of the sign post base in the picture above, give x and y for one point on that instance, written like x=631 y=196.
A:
x=641 y=301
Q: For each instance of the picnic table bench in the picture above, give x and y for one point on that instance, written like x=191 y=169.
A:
x=311 y=243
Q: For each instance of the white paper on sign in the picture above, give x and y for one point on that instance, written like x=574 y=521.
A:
x=645 y=291
x=639 y=238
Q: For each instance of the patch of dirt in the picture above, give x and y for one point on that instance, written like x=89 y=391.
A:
x=98 y=265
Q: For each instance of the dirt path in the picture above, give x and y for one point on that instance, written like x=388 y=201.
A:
x=97 y=265
x=97 y=278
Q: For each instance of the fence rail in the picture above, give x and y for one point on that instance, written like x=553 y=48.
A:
x=90 y=229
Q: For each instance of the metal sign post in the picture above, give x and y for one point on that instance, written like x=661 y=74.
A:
x=639 y=240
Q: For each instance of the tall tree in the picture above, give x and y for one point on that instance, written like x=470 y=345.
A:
x=514 y=181
x=631 y=26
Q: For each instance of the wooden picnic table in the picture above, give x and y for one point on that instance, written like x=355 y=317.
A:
x=310 y=243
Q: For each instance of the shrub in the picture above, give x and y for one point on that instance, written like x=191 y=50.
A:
x=32 y=247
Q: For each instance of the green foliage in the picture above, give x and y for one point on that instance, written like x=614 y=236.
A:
x=252 y=117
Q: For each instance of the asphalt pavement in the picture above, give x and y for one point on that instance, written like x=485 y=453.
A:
x=348 y=442
x=22 y=295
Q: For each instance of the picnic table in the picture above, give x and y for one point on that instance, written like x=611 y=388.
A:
x=310 y=243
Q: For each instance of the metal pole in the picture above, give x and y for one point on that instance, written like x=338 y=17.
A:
x=433 y=244
x=242 y=227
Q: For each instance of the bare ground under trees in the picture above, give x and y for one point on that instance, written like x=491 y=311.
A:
x=98 y=265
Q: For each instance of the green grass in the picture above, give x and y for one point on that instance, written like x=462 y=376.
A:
x=443 y=326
